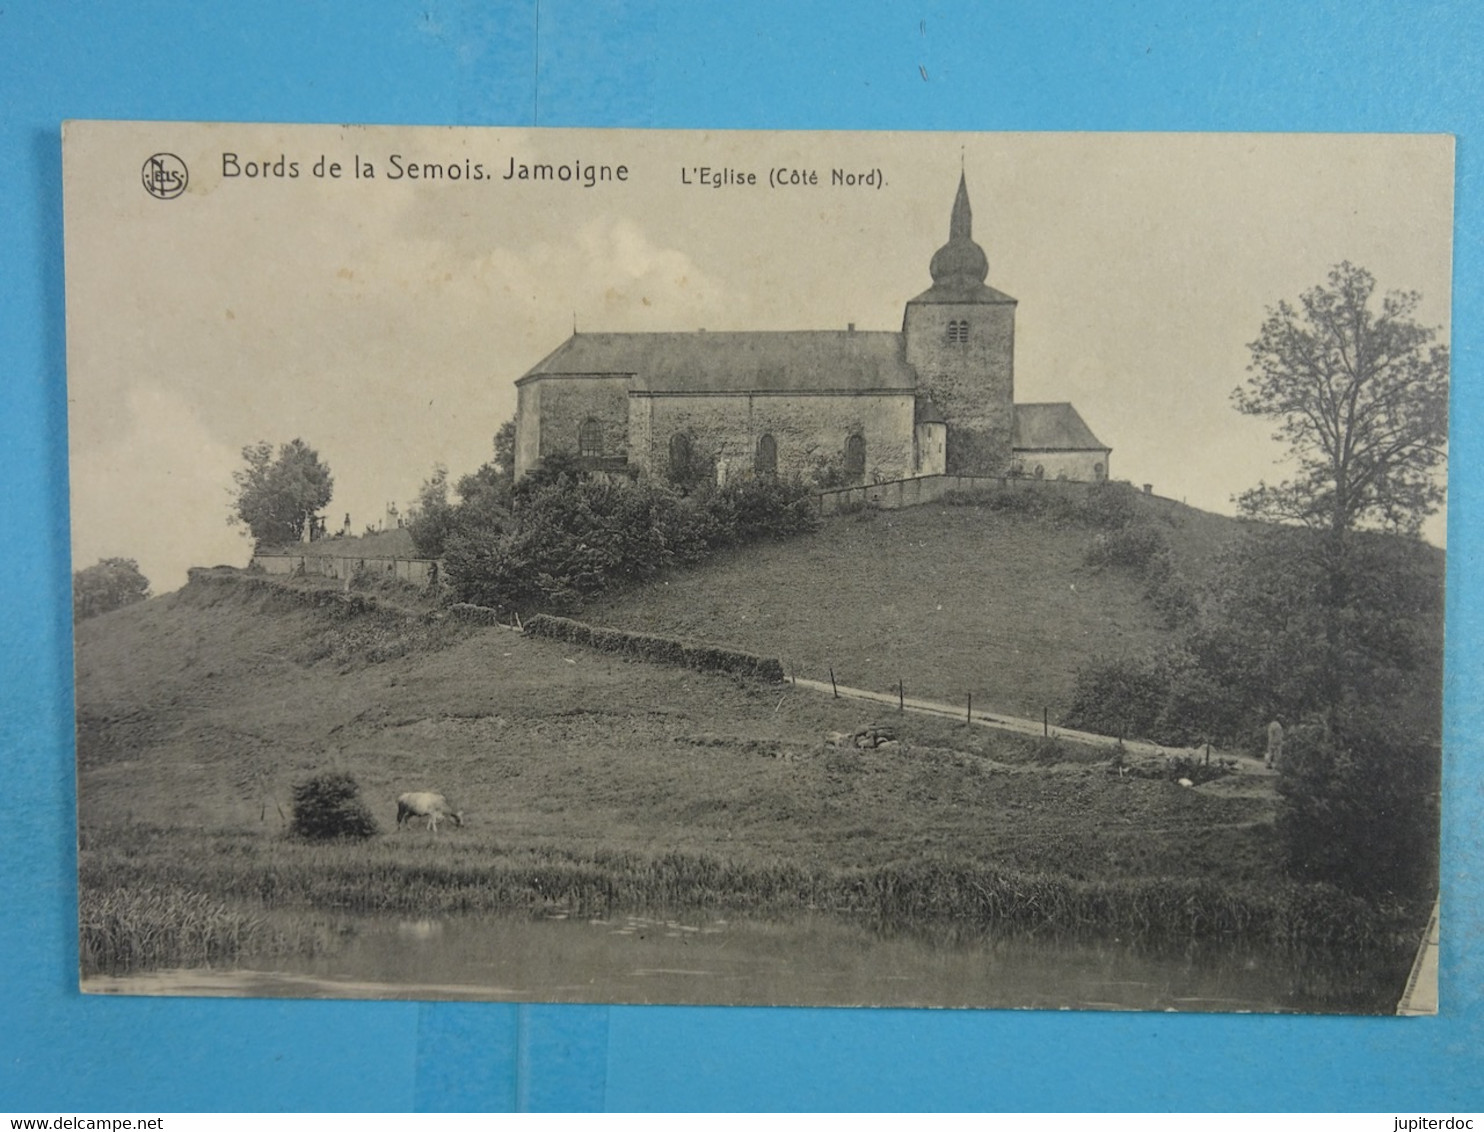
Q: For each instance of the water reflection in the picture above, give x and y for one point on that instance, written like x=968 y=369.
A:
x=814 y=959
x=419 y=930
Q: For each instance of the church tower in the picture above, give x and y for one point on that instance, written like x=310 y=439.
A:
x=960 y=338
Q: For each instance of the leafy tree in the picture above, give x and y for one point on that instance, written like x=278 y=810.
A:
x=112 y=584
x=431 y=518
x=277 y=498
x=505 y=450
x=1360 y=804
x=484 y=495
x=1361 y=400
x=1257 y=649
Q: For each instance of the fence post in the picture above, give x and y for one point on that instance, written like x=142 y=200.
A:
x=833 y=688
x=1045 y=722
x=969 y=716
x=901 y=695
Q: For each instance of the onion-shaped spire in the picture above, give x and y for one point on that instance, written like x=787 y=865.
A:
x=960 y=262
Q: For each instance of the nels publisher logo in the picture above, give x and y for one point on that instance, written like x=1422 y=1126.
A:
x=164 y=176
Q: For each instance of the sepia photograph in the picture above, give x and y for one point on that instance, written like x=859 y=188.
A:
x=759 y=568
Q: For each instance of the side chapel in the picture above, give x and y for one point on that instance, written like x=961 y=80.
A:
x=936 y=397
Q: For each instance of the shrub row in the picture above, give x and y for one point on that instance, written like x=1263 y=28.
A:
x=664 y=650
x=1143 y=548
x=1103 y=506
x=570 y=539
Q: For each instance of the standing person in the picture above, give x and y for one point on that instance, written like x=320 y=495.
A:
x=1275 y=743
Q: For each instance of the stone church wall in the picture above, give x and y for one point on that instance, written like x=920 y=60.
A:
x=1082 y=467
x=527 y=427
x=807 y=429
x=566 y=403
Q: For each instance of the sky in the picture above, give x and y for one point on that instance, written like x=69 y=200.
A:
x=385 y=319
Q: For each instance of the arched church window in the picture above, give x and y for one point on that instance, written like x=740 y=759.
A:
x=590 y=437
x=1097 y=472
x=765 y=462
x=855 y=458
x=958 y=330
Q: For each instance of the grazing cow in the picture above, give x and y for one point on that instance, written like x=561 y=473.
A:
x=423 y=804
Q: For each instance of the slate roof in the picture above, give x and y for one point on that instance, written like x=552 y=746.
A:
x=851 y=361
x=1053 y=426
x=975 y=293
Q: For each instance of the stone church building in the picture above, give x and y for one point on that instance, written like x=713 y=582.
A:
x=847 y=405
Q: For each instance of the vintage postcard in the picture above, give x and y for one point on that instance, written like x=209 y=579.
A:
x=957 y=570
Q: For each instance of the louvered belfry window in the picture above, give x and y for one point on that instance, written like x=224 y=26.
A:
x=958 y=330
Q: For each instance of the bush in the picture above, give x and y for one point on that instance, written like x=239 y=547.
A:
x=578 y=536
x=1104 y=506
x=328 y=807
x=1123 y=696
x=1359 y=803
x=1171 y=593
x=765 y=507
x=1138 y=546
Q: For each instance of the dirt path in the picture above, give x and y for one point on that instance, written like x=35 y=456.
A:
x=1012 y=724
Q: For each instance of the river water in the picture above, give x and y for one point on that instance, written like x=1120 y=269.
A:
x=816 y=960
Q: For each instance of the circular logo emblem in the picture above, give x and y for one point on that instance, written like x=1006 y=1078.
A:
x=164 y=176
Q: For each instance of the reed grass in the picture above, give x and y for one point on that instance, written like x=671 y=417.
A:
x=145 y=906
x=122 y=928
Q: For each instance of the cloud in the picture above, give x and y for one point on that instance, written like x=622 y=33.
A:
x=387 y=355
x=155 y=492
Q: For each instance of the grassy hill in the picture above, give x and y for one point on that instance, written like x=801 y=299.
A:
x=591 y=785
x=198 y=710
x=952 y=600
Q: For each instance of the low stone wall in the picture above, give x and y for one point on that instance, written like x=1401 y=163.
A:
x=663 y=650
x=418 y=570
x=894 y=494
x=901 y=493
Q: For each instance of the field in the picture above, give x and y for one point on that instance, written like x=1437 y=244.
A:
x=198 y=711
x=950 y=600
x=592 y=785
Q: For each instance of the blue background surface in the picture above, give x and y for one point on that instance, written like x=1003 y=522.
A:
x=1009 y=65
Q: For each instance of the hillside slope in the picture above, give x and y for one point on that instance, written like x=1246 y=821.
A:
x=197 y=711
x=951 y=600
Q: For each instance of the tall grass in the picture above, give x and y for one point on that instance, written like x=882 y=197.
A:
x=126 y=928
x=146 y=905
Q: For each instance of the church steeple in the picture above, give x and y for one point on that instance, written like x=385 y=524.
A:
x=960 y=263
x=959 y=335
x=961 y=225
